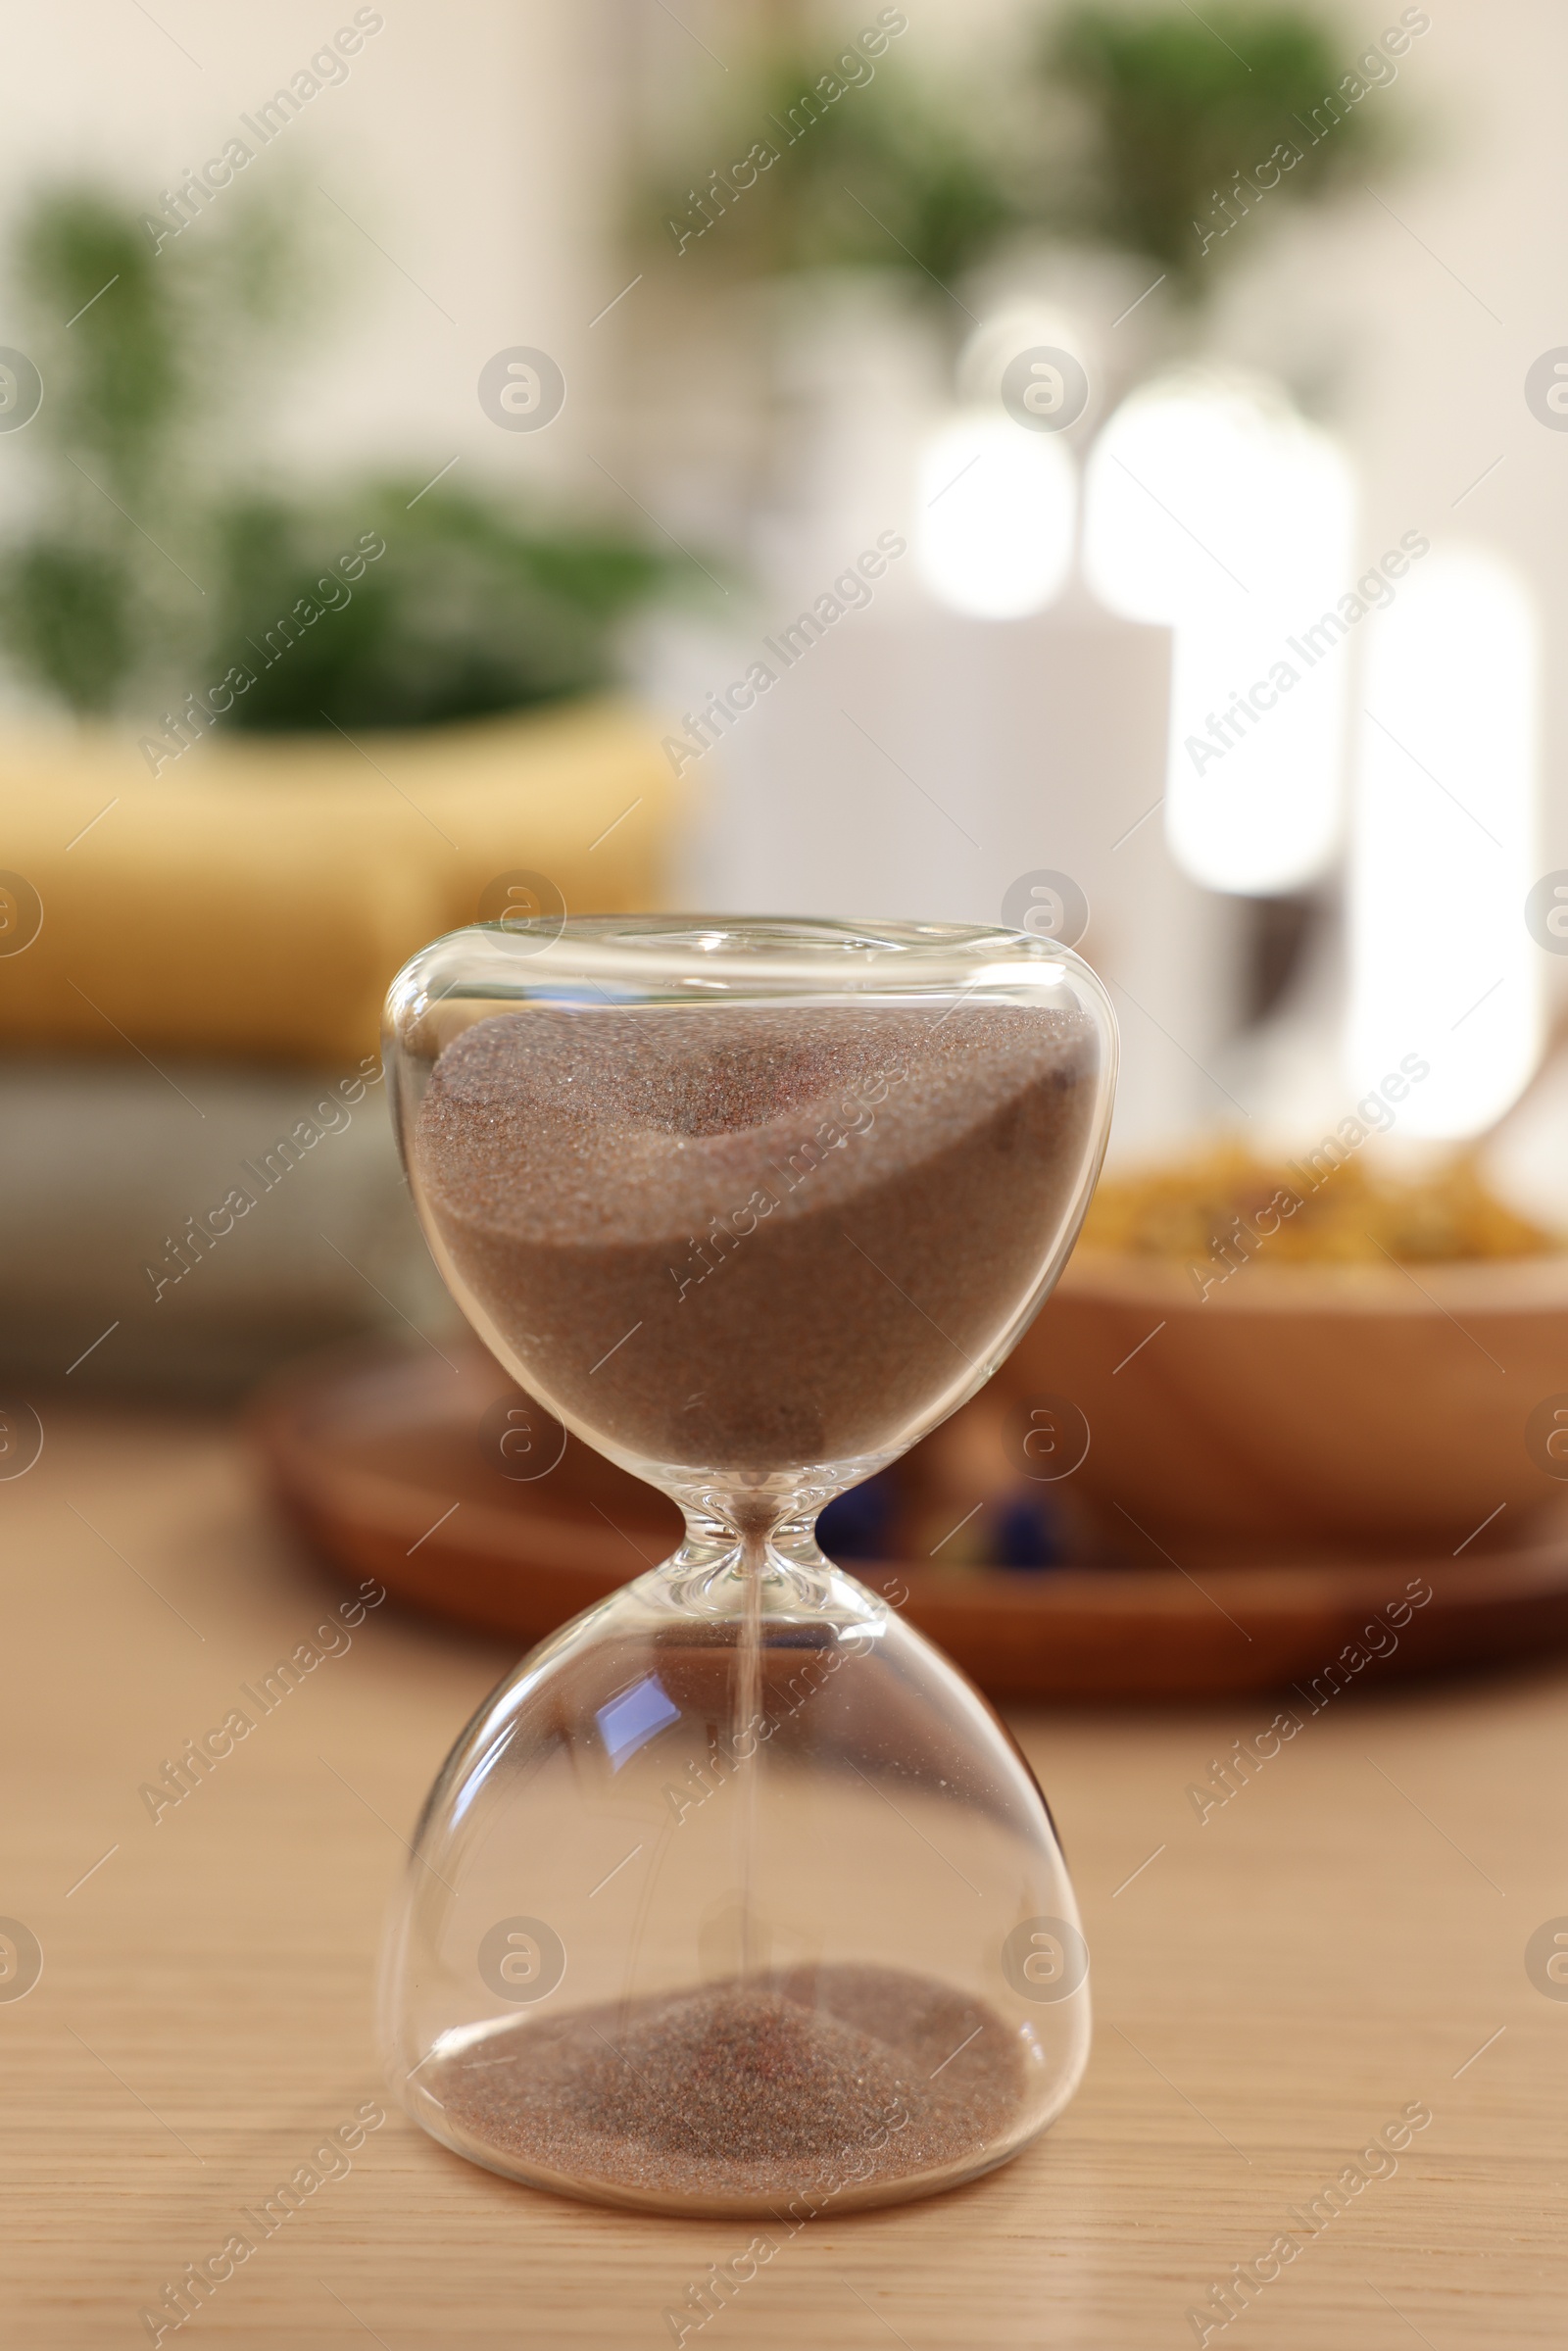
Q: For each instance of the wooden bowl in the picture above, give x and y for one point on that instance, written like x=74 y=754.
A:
x=399 y=1465
x=1298 y=1405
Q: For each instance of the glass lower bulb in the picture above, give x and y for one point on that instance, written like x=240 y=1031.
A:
x=694 y=1927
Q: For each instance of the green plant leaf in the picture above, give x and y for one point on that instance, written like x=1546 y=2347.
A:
x=1169 y=110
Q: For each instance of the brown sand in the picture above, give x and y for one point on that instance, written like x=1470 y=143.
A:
x=754 y=1237
x=812 y=2088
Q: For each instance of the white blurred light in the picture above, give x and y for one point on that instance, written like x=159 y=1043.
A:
x=1442 y=965
x=998 y=511
x=1213 y=505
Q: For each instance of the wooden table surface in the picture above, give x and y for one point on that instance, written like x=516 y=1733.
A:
x=1345 y=1939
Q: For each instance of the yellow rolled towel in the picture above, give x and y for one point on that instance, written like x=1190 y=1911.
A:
x=253 y=899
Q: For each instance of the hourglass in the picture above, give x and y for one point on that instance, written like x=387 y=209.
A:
x=736 y=1895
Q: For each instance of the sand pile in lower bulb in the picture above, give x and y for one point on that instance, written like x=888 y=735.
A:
x=742 y=2091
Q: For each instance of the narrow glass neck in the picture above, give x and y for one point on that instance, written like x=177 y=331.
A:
x=716 y=1561
x=763 y=1507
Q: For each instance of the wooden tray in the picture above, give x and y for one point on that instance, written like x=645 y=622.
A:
x=395 y=1464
